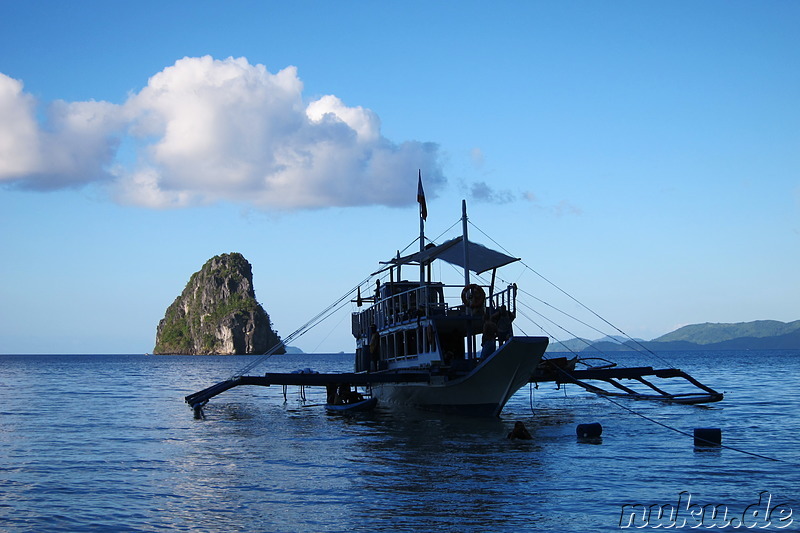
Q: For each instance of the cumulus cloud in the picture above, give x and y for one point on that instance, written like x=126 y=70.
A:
x=78 y=142
x=206 y=130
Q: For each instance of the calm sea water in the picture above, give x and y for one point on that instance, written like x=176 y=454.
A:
x=106 y=443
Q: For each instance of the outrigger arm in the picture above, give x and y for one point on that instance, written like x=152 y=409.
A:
x=612 y=376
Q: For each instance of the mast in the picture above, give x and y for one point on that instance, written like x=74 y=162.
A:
x=423 y=214
x=470 y=337
x=421 y=245
x=422 y=292
x=465 y=240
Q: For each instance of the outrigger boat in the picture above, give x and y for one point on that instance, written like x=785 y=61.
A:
x=417 y=341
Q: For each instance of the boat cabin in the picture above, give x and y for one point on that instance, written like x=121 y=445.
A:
x=425 y=323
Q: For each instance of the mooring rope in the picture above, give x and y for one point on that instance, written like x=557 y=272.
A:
x=636 y=342
x=667 y=426
x=688 y=434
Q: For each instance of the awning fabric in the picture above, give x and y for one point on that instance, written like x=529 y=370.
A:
x=481 y=258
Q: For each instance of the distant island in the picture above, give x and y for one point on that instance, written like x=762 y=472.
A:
x=757 y=335
x=293 y=350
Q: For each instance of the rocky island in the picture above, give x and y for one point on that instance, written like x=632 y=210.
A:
x=217 y=313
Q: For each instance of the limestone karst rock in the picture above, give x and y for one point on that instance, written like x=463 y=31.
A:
x=217 y=313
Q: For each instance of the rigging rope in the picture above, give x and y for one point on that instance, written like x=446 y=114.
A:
x=581 y=304
x=319 y=317
x=316 y=320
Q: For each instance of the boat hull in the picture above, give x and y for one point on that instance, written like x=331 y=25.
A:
x=482 y=392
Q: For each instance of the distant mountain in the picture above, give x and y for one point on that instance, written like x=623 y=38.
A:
x=757 y=335
x=715 y=333
x=579 y=344
x=571 y=345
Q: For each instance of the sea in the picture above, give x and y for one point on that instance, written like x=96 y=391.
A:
x=107 y=443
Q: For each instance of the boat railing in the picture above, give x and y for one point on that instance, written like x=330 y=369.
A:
x=507 y=298
x=434 y=300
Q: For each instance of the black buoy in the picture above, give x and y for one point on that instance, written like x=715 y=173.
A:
x=707 y=436
x=589 y=431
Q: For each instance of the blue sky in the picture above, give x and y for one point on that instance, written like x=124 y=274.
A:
x=644 y=156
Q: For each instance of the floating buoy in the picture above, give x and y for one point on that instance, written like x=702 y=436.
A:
x=707 y=436
x=589 y=431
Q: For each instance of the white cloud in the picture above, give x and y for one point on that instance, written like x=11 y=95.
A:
x=79 y=141
x=18 y=130
x=206 y=130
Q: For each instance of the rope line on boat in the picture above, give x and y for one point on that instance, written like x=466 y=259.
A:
x=649 y=419
x=689 y=434
x=568 y=295
x=543 y=329
x=667 y=426
x=562 y=328
x=636 y=342
x=315 y=321
x=456 y=223
x=334 y=328
x=556 y=324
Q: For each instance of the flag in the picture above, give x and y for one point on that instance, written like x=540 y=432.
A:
x=423 y=209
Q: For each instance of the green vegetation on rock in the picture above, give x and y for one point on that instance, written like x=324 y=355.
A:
x=217 y=313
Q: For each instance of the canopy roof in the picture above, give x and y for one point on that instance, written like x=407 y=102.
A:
x=481 y=258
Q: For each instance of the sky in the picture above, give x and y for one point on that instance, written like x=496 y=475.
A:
x=644 y=157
